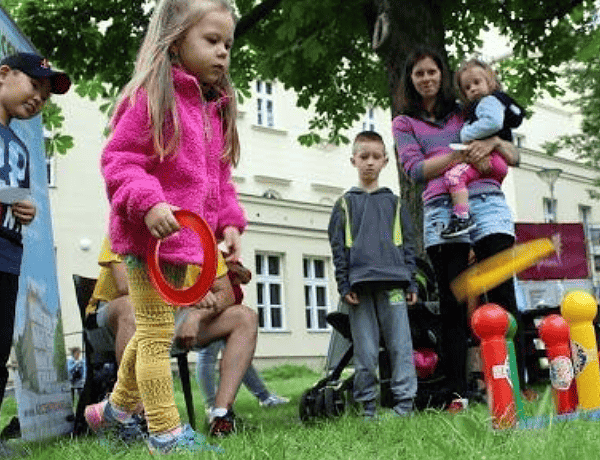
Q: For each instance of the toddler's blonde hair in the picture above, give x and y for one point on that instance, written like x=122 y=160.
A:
x=169 y=23
x=490 y=75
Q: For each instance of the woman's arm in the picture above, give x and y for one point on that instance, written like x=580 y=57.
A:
x=478 y=150
x=220 y=296
x=412 y=157
x=509 y=152
x=214 y=303
x=434 y=167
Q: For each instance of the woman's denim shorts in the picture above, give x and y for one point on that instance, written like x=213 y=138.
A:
x=490 y=212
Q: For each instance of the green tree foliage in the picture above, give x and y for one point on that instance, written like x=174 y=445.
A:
x=59 y=358
x=340 y=57
x=583 y=76
x=322 y=50
x=584 y=81
x=52 y=119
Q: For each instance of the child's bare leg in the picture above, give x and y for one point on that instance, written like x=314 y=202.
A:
x=237 y=356
x=460 y=201
x=457 y=179
x=121 y=320
x=238 y=325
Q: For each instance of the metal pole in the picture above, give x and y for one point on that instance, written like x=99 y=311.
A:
x=552 y=207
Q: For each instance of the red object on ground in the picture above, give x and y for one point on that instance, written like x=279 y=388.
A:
x=554 y=331
x=426 y=361
x=193 y=294
x=490 y=323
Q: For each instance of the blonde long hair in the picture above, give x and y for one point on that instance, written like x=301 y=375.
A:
x=169 y=23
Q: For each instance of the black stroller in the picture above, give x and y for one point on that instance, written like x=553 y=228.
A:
x=330 y=396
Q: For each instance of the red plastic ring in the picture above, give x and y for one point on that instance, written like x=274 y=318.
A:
x=193 y=294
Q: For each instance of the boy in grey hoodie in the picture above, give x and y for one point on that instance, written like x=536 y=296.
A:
x=371 y=239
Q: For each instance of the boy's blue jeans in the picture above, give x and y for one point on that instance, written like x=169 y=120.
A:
x=382 y=313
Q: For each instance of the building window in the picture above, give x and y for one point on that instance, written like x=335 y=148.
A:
x=595 y=236
x=269 y=291
x=50 y=160
x=272 y=194
x=264 y=104
x=369 y=121
x=585 y=216
x=315 y=293
x=51 y=171
x=597 y=264
x=549 y=210
x=519 y=139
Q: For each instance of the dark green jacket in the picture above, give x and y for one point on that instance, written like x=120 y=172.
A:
x=372 y=240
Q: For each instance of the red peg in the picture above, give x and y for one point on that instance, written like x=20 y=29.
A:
x=554 y=331
x=490 y=323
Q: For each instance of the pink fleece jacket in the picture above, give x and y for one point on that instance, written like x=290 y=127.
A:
x=195 y=177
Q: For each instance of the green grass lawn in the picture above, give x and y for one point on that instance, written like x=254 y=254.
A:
x=276 y=433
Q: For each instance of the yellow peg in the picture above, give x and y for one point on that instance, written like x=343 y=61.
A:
x=579 y=309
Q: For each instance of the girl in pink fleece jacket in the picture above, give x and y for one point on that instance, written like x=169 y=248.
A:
x=172 y=146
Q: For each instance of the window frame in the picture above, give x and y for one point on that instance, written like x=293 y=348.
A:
x=519 y=140
x=369 y=123
x=266 y=280
x=51 y=171
x=313 y=283
x=550 y=207
x=585 y=216
x=265 y=103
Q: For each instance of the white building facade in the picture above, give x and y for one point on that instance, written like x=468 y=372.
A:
x=287 y=191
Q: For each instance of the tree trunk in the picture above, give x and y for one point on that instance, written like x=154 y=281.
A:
x=412 y=23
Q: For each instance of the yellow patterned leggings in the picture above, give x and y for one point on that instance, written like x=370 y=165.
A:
x=145 y=370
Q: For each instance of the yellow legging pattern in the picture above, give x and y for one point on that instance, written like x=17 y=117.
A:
x=145 y=370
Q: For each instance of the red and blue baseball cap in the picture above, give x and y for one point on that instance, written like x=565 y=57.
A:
x=38 y=67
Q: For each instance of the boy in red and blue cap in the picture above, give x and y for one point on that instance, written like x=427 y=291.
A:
x=26 y=83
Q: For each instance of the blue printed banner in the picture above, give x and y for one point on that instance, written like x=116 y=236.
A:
x=41 y=383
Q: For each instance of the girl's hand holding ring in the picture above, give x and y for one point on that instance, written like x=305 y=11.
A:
x=160 y=220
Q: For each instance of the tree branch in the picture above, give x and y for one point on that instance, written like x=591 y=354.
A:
x=258 y=13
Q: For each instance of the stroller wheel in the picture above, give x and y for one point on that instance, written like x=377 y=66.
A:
x=306 y=408
x=319 y=407
x=348 y=390
x=334 y=402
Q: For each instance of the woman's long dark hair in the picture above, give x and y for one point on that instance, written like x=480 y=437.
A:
x=411 y=102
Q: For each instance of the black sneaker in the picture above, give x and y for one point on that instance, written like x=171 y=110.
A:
x=458 y=226
x=221 y=427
